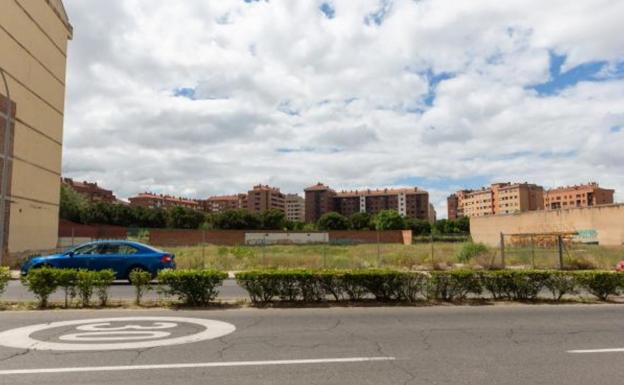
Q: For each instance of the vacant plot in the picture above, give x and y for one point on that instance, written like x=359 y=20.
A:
x=416 y=256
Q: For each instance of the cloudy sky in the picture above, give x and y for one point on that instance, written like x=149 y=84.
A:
x=200 y=97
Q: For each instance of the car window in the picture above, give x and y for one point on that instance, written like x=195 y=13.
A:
x=107 y=248
x=87 y=249
x=127 y=250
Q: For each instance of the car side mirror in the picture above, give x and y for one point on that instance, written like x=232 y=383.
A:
x=70 y=254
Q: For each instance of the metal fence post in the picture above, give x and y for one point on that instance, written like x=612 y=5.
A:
x=502 y=248
x=560 y=249
x=432 y=251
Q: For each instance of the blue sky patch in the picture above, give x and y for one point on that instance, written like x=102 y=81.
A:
x=328 y=10
x=434 y=79
x=188 y=93
x=377 y=17
x=616 y=128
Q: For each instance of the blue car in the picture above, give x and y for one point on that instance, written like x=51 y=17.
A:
x=120 y=256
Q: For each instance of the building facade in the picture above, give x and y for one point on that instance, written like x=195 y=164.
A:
x=584 y=195
x=295 y=208
x=162 y=201
x=263 y=197
x=221 y=203
x=499 y=198
x=90 y=190
x=34 y=36
x=409 y=202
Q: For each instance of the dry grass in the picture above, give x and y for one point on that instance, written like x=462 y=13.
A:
x=385 y=255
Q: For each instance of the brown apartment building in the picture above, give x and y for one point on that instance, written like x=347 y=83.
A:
x=584 y=195
x=34 y=37
x=409 y=202
x=162 y=201
x=263 y=197
x=295 y=208
x=220 y=203
x=91 y=191
x=499 y=198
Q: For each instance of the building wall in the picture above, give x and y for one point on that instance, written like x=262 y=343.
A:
x=606 y=223
x=577 y=196
x=295 y=208
x=33 y=47
x=263 y=198
x=318 y=201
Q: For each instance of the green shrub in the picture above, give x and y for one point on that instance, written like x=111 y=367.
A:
x=413 y=286
x=602 y=284
x=515 y=284
x=193 y=287
x=385 y=285
x=41 y=282
x=471 y=250
x=5 y=276
x=561 y=283
x=260 y=286
x=454 y=284
x=85 y=285
x=141 y=281
x=66 y=279
x=103 y=280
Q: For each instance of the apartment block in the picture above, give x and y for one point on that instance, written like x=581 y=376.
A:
x=162 y=201
x=584 y=195
x=218 y=204
x=295 y=208
x=499 y=198
x=34 y=37
x=263 y=197
x=90 y=190
x=409 y=202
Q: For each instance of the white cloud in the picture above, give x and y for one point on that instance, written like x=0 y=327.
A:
x=281 y=75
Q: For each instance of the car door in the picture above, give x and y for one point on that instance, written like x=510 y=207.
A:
x=80 y=257
x=107 y=257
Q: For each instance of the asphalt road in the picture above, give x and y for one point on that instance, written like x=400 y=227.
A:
x=120 y=291
x=503 y=344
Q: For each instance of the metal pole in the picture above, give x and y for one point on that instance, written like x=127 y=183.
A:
x=5 y=165
x=502 y=249
x=560 y=247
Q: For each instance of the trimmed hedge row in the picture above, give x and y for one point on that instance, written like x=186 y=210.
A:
x=396 y=286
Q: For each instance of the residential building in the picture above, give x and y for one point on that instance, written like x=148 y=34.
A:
x=34 y=36
x=90 y=190
x=221 y=203
x=584 y=195
x=433 y=216
x=499 y=198
x=263 y=197
x=409 y=202
x=162 y=201
x=295 y=208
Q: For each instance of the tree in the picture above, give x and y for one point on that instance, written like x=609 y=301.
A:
x=419 y=226
x=72 y=204
x=179 y=217
x=463 y=224
x=361 y=221
x=236 y=220
x=273 y=220
x=389 y=220
x=333 y=221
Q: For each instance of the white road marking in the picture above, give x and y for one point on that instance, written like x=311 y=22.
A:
x=21 y=337
x=193 y=365
x=615 y=350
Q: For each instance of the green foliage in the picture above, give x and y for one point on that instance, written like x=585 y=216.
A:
x=103 y=280
x=193 y=287
x=602 y=284
x=361 y=221
x=273 y=220
x=236 y=220
x=333 y=221
x=72 y=204
x=141 y=281
x=471 y=250
x=561 y=283
x=85 y=285
x=389 y=220
x=41 y=282
x=5 y=276
x=179 y=217
x=66 y=279
x=446 y=226
x=418 y=226
x=454 y=285
x=517 y=285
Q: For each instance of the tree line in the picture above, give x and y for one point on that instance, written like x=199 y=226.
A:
x=74 y=207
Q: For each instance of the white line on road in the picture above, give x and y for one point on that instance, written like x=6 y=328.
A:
x=194 y=365
x=615 y=350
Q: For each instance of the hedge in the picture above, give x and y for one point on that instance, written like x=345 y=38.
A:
x=266 y=286
x=193 y=287
x=5 y=276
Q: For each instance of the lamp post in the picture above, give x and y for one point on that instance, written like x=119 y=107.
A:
x=5 y=164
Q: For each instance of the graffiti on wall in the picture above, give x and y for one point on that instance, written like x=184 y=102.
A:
x=586 y=236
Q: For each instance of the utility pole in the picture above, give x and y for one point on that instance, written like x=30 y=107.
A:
x=5 y=164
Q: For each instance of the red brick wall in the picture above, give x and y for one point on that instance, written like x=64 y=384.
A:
x=68 y=229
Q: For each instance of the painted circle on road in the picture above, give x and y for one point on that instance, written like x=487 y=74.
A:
x=116 y=333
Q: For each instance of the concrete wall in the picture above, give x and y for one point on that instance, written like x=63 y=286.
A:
x=285 y=238
x=604 y=223
x=33 y=54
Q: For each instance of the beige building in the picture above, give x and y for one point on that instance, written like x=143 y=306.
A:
x=499 y=198
x=263 y=198
x=34 y=36
x=584 y=195
x=295 y=208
